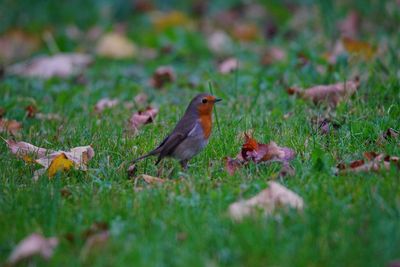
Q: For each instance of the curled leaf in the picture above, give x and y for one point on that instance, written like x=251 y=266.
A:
x=52 y=161
x=105 y=103
x=252 y=151
x=331 y=94
x=60 y=65
x=10 y=126
x=372 y=162
x=228 y=65
x=141 y=118
x=267 y=201
x=34 y=244
x=162 y=76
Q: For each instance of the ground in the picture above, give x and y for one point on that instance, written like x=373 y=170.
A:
x=348 y=220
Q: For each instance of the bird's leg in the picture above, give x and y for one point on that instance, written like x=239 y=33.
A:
x=184 y=164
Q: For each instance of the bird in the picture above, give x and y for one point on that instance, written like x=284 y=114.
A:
x=191 y=133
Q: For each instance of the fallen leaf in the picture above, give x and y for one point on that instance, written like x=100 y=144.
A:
x=115 y=45
x=10 y=126
x=252 y=151
x=389 y=134
x=34 y=244
x=228 y=65
x=60 y=65
x=96 y=238
x=150 y=179
x=372 y=162
x=163 y=21
x=350 y=25
x=26 y=151
x=141 y=99
x=51 y=160
x=267 y=201
x=105 y=103
x=31 y=111
x=16 y=44
x=162 y=76
x=219 y=43
x=245 y=32
x=273 y=55
x=358 y=48
x=59 y=163
x=233 y=164
x=95 y=228
x=141 y=118
x=331 y=94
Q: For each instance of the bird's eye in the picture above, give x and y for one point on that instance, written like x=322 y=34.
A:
x=204 y=100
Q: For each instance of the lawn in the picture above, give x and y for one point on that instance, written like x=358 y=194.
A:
x=349 y=219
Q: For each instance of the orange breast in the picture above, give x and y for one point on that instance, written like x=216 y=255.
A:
x=206 y=124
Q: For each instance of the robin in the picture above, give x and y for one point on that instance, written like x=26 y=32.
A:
x=191 y=133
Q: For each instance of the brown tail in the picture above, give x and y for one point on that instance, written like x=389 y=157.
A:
x=151 y=153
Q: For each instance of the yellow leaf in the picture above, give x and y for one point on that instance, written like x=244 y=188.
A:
x=357 y=47
x=115 y=45
x=162 y=21
x=59 y=163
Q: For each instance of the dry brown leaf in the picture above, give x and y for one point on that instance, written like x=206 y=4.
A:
x=372 y=162
x=150 y=179
x=331 y=94
x=26 y=151
x=115 y=45
x=96 y=237
x=31 y=111
x=141 y=118
x=273 y=55
x=16 y=44
x=60 y=65
x=162 y=21
x=162 y=76
x=78 y=157
x=105 y=103
x=246 y=32
x=254 y=151
x=228 y=65
x=10 y=126
x=258 y=153
x=34 y=244
x=389 y=134
x=267 y=201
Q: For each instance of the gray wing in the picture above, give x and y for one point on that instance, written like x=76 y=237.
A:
x=168 y=145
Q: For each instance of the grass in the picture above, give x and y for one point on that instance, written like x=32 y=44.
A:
x=349 y=220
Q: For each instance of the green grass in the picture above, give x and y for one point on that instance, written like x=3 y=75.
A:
x=349 y=220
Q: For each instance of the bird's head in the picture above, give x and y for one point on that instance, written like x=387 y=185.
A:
x=204 y=103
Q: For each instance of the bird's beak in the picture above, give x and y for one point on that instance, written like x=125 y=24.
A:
x=217 y=100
